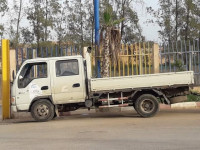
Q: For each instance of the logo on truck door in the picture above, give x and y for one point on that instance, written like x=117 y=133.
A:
x=34 y=90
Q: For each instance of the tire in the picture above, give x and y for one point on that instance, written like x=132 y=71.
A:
x=146 y=105
x=42 y=110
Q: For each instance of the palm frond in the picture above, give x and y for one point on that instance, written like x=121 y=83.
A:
x=106 y=17
x=118 y=21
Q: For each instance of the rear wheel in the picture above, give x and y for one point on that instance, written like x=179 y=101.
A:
x=146 y=105
x=42 y=110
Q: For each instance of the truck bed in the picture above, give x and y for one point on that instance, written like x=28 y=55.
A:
x=142 y=81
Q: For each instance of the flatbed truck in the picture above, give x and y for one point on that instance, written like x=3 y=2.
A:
x=47 y=86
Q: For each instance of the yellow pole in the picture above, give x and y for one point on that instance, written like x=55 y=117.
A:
x=5 y=80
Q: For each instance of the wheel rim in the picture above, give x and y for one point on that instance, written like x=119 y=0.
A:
x=147 y=105
x=42 y=111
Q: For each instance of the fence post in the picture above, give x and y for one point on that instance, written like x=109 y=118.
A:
x=34 y=53
x=156 y=58
x=140 y=59
x=35 y=67
x=191 y=58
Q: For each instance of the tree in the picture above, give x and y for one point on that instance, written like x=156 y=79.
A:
x=76 y=23
x=112 y=37
x=3 y=8
x=27 y=36
x=166 y=21
x=178 y=20
x=52 y=8
x=60 y=23
x=177 y=11
x=130 y=28
x=41 y=16
x=18 y=10
x=191 y=26
x=89 y=23
x=36 y=16
x=163 y=19
x=1 y=31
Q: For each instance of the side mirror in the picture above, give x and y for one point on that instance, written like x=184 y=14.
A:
x=20 y=77
x=89 y=49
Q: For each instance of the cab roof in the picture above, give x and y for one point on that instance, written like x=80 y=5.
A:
x=52 y=58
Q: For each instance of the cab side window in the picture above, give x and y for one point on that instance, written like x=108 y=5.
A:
x=67 y=68
x=30 y=72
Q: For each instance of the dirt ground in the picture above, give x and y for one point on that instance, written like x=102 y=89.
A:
x=170 y=129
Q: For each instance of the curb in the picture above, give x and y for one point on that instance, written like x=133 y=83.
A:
x=184 y=105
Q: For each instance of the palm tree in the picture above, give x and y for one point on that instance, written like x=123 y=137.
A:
x=112 y=39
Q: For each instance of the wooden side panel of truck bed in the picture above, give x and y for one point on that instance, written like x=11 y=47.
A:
x=142 y=81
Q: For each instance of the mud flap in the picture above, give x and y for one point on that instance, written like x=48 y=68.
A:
x=56 y=111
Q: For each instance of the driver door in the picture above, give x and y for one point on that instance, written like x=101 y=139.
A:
x=33 y=81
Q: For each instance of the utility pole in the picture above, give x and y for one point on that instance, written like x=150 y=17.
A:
x=97 y=37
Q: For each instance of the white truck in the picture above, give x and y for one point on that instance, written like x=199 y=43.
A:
x=47 y=86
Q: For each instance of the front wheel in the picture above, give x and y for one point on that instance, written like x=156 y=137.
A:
x=42 y=110
x=146 y=105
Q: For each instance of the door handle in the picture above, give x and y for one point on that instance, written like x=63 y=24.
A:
x=76 y=85
x=21 y=92
x=44 y=88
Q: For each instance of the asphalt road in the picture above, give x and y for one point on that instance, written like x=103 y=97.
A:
x=169 y=130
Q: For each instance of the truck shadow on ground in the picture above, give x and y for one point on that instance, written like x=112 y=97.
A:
x=29 y=119
x=98 y=116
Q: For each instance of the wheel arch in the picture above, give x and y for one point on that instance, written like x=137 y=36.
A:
x=49 y=98
x=154 y=92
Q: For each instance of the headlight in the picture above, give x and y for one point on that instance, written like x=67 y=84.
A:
x=13 y=100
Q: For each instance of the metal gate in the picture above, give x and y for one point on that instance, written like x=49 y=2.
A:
x=181 y=56
x=133 y=59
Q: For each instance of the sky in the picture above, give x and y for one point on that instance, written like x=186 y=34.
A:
x=150 y=31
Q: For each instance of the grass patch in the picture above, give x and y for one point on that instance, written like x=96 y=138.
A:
x=193 y=98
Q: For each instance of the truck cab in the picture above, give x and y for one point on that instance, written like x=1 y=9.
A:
x=58 y=80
